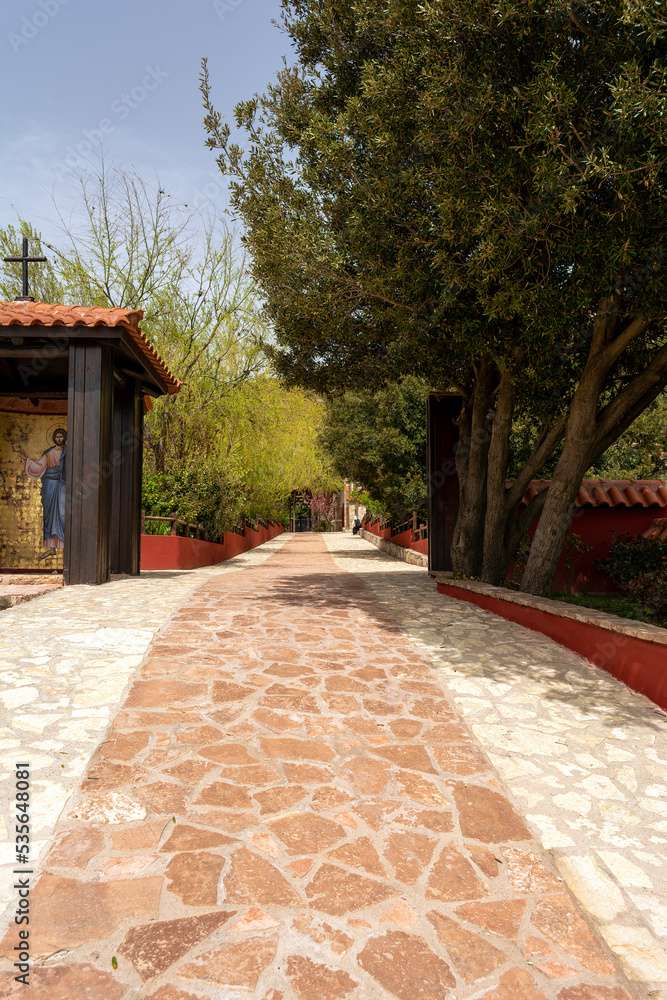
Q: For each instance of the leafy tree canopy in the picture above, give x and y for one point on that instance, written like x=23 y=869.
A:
x=476 y=196
x=233 y=440
x=377 y=440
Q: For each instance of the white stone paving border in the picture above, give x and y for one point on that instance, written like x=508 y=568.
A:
x=583 y=757
x=392 y=549
x=66 y=662
x=561 y=609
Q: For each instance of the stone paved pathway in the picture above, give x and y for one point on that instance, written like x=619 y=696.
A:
x=288 y=808
x=584 y=757
x=65 y=661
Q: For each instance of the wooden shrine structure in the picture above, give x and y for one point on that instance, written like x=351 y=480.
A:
x=96 y=368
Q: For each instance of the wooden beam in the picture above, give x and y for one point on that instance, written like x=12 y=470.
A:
x=60 y=334
x=89 y=468
x=126 y=459
x=14 y=392
x=150 y=374
x=34 y=352
x=132 y=372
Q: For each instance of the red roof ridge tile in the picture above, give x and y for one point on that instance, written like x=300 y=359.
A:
x=57 y=314
x=658 y=530
x=609 y=492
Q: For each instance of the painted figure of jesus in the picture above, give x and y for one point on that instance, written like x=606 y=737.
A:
x=51 y=469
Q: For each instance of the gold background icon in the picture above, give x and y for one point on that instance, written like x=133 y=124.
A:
x=21 y=520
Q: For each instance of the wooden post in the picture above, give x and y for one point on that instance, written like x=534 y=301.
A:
x=126 y=458
x=443 y=483
x=88 y=472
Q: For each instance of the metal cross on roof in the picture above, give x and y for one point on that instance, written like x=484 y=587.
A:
x=25 y=260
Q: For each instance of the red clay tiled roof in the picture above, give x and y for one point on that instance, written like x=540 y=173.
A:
x=658 y=529
x=611 y=492
x=46 y=314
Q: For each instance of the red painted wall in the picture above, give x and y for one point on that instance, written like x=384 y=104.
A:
x=174 y=552
x=404 y=538
x=375 y=530
x=595 y=526
x=640 y=664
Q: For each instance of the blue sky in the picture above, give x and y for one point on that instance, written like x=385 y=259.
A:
x=128 y=72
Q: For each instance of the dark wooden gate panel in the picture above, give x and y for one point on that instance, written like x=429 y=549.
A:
x=126 y=458
x=443 y=483
x=89 y=429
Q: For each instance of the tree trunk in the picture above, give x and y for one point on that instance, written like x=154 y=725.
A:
x=471 y=466
x=554 y=523
x=495 y=555
x=552 y=528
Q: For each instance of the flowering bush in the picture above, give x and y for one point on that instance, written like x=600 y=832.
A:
x=324 y=506
x=639 y=568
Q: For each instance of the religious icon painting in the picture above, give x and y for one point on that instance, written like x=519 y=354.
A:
x=33 y=470
x=51 y=469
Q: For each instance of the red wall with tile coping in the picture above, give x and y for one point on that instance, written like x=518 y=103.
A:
x=593 y=524
x=175 y=552
x=639 y=663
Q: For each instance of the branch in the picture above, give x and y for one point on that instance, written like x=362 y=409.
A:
x=579 y=24
x=526 y=518
x=544 y=447
x=614 y=350
x=617 y=416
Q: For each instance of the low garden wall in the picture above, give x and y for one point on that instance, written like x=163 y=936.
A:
x=392 y=548
x=176 y=552
x=404 y=538
x=633 y=652
x=594 y=525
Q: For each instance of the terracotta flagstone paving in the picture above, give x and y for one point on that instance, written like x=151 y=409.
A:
x=288 y=808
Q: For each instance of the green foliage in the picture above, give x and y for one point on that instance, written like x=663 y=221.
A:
x=575 y=548
x=430 y=182
x=613 y=604
x=207 y=496
x=377 y=440
x=276 y=511
x=639 y=568
x=272 y=435
x=640 y=453
x=462 y=192
x=373 y=507
x=233 y=427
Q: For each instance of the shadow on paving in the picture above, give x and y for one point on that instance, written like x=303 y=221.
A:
x=603 y=703
x=333 y=592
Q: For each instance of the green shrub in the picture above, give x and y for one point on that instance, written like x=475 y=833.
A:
x=374 y=508
x=268 y=509
x=638 y=566
x=209 y=496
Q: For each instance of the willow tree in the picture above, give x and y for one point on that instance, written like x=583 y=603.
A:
x=474 y=194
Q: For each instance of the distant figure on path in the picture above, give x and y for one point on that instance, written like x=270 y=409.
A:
x=356 y=526
x=51 y=469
